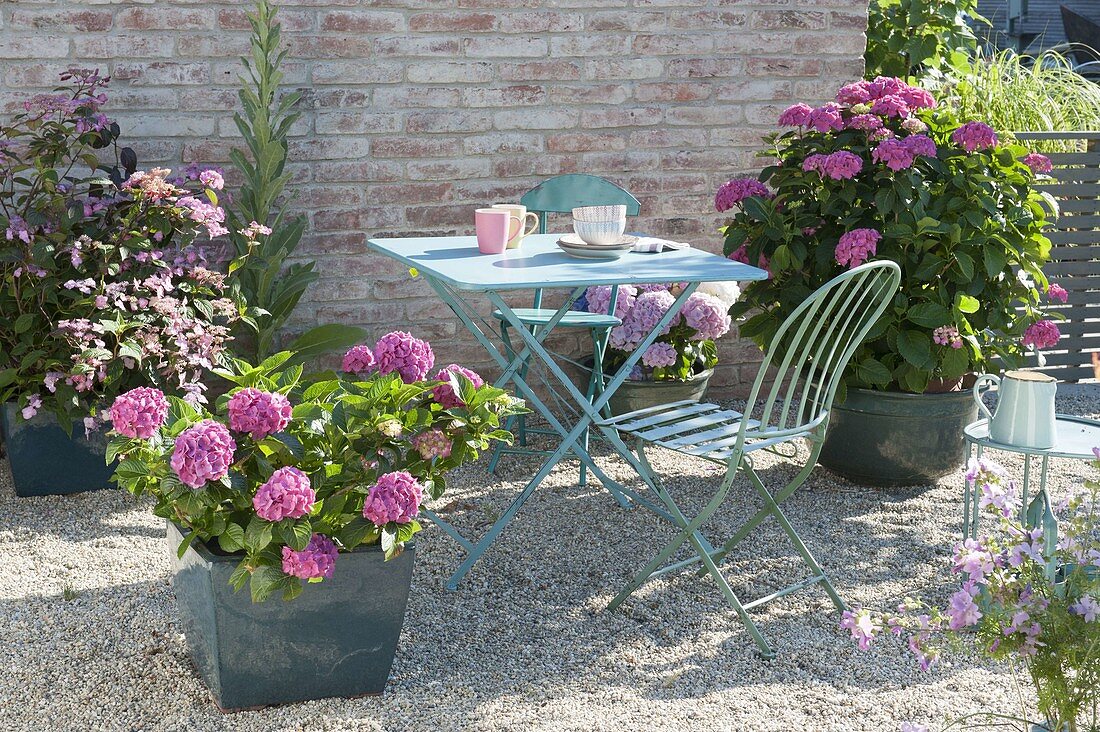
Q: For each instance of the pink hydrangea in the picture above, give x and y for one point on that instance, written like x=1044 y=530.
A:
x=893 y=153
x=1038 y=163
x=212 y=179
x=203 y=453
x=286 y=494
x=916 y=98
x=410 y=357
x=825 y=118
x=974 y=136
x=259 y=413
x=432 y=444
x=884 y=86
x=914 y=126
x=358 y=360
x=947 y=335
x=1057 y=293
x=394 y=497
x=856 y=93
x=659 y=354
x=317 y=560
x=445 y=393
x=707 y=315
x=814 y=162
x=890 y=106
x=867 y=122
x=841 y=165
x=922 y=145
x=139 y=412
x=598 y=298
x=796 y=115
x=648 y=309
x=1042 y=334
x=856 y=247
x=882 y=133
x=732 y=192
x=33 y=405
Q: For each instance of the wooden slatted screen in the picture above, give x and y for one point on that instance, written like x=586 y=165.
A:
x=1076 y=250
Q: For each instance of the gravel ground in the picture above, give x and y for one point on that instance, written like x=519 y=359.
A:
x=89 y=638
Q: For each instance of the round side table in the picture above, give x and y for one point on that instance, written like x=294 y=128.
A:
x=1074 y=439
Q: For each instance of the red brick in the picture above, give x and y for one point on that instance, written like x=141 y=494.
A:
x=371 y=21
x=622 y=117
x=508 y=96
x=65 y=21
x=290 y=20
x=632 y=21
x=446 y=72
x=783 y=67
x=449 y=170
x=417 y=46
x=783 y=19
x=32 y=47
x=366 y=170
x=435 y=22
x=165 y=18
x=448 y=121
x=705 y=67
x=408 y=193
x=591 y=94
x=673 y=92
x=584 y=142
x=415 y=147
x=637 y=68
x=402 y=97
x=128 y=46
x=672 y=45
x=160 y=73
x=502 y=142
x=357 y=122
x=540 y=71
x=713 y=19
x=540 y=22
x=501 y=46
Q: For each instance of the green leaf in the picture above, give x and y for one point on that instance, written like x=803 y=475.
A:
x=995 y=259
x=257 y=535
x=296 y=535
x=325 y=339
x=185 y=543
x=956 y=362
x=874 y=372
x=929 y=314
x=966 y=303
x=23 y=322
x=915 y=347
x=265 y=580
x=232 y=538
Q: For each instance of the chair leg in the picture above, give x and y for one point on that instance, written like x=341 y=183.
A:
x=799 y=545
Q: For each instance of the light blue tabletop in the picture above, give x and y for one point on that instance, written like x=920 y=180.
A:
x=539 y=263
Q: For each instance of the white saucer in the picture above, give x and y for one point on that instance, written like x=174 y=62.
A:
x=572 y=240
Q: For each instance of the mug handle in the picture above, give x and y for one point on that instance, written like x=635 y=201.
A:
x=994 y=381
x=533 y=226
x=519 y=227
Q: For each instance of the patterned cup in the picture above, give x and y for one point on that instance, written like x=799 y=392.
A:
x=599 y=224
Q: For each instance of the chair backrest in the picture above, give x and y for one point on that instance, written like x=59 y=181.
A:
x=563 y=193
x=812 y=347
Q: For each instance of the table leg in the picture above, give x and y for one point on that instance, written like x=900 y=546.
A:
x=1024 y=489
x=966 y=495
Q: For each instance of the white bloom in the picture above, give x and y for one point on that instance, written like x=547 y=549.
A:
x=727 y=292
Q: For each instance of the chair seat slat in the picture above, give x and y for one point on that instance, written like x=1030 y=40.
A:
x=668 y=416
x=689 y=425
x=621 y=418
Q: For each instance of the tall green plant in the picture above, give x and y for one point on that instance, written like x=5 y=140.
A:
x=263 y=233
x=1016 y=93
x=908 y=38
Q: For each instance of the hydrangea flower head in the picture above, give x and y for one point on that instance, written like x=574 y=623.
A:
x=394 y=497
x=826 y=118
x=890 y=106
x=598 y=299
x=445 y=393
x=916 y=97
x=922 y=145
x=431 y=444
x=856 y=247
x=866 y=122
x=947 y=335
x=734 y=191
x=202 y=453
x=841 y=165
x=727 y=292
x=1042 y=334
x=974 y=136
x=318 y=559
x=894 y=153
x=707 y=315
x=1038 y=163
x=1057 y=293
x=796 y=115
x=259 y=413
x=139 y=413
x=358 y=360
x=856 y=93
x=286 y=494
x=659 y=354
x=399 y=351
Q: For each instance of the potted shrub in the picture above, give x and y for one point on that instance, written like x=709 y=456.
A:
x=679 y=364
x=883 y=173
x=1029 y=594
x=101 y=285
x=293 y=482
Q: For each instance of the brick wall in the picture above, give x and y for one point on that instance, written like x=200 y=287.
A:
x=418 y=110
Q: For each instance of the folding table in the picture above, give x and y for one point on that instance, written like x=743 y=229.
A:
x=459 y=273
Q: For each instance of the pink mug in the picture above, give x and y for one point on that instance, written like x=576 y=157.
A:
x=495 y=227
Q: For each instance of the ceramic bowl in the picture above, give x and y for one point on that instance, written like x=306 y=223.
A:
x=600 y=232
x=599 y=213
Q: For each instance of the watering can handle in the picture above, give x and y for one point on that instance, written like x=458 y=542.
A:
x=995 y=381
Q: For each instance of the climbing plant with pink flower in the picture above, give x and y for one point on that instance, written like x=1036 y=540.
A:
x=290 y=471
x=883 y=173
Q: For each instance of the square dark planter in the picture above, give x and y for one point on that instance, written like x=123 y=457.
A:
x=338 y=638
x=46 y=460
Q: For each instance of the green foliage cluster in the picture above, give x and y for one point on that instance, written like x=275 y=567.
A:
x=342 y=434
x=910 y=38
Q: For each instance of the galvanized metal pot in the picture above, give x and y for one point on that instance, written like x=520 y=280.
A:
x=891 y=439
x=338 y=638
x=641 y=394
x=45 y=460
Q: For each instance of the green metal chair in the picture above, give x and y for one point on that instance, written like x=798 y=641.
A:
x=561 y=194
x=814 y=346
